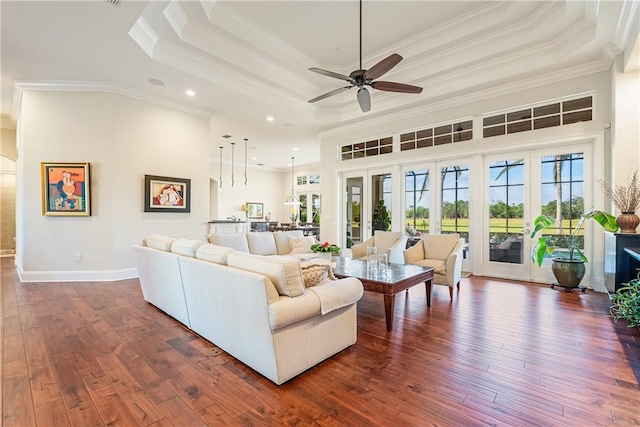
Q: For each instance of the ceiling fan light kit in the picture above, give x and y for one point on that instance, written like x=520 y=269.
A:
x=362 y=78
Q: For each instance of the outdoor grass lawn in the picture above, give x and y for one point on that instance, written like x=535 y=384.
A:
x=496 y=225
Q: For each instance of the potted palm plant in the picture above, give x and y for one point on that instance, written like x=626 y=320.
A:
x=568 y=263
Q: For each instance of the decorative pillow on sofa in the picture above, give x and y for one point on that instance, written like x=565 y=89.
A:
x=186 y=247
x=301 y=245
x=316 y=272
x=159 y=241
x=283 y=272
x=213 y=253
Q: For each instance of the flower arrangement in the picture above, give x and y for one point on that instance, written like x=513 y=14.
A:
x=325 y=247
x=625 y=197
x=294 y=215
x=245 y=208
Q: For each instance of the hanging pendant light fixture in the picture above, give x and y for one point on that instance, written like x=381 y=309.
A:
x=245 y=162
x=293 y=197
x=220 y=165
x=233 y=149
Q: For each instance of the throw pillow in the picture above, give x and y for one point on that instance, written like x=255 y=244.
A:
x=301 y=245
x=158 y=241
x=186 y=247
x=316 y=272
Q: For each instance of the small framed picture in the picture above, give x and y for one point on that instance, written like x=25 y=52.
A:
x=166 y=194
x=66 y=189
x=255 y=210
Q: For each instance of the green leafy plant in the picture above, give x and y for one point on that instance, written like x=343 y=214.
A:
x=545 y=245
x=381 y=219
x=626 y=304
x=325 y=247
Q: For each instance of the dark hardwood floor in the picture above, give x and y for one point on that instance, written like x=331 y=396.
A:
x=501 y=353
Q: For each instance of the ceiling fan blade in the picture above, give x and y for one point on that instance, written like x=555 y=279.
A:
x=364 y=99
x=382 y=67
x=331 y=74
x=333 y=92
x=396 y=87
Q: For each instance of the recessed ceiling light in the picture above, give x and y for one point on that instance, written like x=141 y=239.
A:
x=156 y=82
x=295 y=148
x=269 y=118
x=254 y=158
x=190 y=93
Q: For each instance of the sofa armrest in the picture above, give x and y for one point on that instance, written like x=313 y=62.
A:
x=396 y=252
x=360 y=250
x=415 y=253
x=336 y=294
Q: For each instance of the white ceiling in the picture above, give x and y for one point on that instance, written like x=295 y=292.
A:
x=247 y=60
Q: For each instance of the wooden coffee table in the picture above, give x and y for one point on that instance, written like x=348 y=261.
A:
x=398 y=278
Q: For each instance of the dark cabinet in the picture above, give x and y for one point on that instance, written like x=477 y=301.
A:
x=627 y=264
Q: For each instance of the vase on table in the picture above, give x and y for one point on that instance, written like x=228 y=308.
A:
x=325 y=255
x=628 y=222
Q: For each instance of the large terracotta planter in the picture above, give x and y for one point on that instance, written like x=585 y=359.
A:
x=628 y=222
x=568 y=273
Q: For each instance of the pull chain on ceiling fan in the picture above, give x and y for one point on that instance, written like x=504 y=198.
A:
x=361 y=78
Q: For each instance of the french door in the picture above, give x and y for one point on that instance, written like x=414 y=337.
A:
x=368 y=204
x=518 y=187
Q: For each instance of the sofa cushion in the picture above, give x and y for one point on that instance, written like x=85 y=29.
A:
x=159 y=241
x=237 y=241
x=282 y=240
x=301 y=245
x=439 y=246
x=284 y=273
x=213 y=253
x=385 y=239
x=316 y=272
x=261 y=243
x=440 y=266
x=186 y=247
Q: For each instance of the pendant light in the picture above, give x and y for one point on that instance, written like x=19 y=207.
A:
x=293 y=197
x=245 y=162
x=220 y=147
x=233 y=148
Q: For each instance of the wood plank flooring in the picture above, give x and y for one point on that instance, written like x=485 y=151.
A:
x=501 y=353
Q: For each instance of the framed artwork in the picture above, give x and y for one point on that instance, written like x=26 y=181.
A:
x=66 y=189
x=255 y=210
x=165 y=194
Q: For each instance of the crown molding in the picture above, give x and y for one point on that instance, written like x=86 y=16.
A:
x=244 y=57
x=223 y=18
x=480 y=95
x=142 y=33
x=176 y=16
x=626 y=32
x=21 y=86
x=225 y=75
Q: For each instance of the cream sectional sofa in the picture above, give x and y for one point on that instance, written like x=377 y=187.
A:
x=266 y=243
x=257 y=308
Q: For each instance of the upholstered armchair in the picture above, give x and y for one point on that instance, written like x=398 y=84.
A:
x=387 y=242
x=443 y=252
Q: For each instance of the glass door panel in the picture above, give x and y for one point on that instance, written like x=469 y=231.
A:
x=506 y=211
x=381 y=201
x=353 y=210
x=303 y=208
x=417 y=193
x=454 y=200
x=506 y=243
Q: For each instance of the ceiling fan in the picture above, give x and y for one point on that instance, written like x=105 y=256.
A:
x=361 y=78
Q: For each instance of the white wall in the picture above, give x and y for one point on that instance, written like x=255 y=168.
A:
x=8 y=145
x=263 y=186
x=123 y=139
x=626 y=125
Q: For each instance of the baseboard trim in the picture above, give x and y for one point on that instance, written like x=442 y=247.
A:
x=77 y=276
